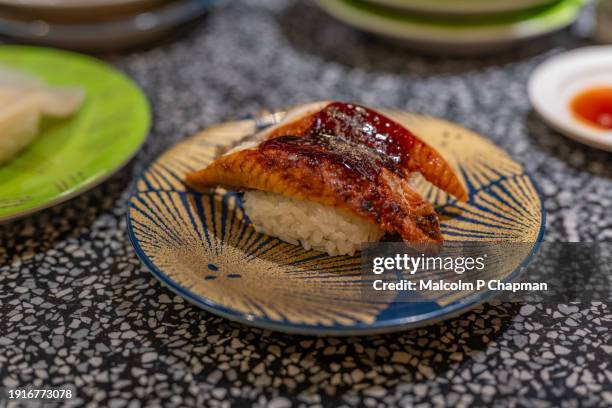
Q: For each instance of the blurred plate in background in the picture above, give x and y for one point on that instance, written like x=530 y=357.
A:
x=108 y=33
x=75 y=11
x=467 y=36
x=462 y=6
x=61 y=4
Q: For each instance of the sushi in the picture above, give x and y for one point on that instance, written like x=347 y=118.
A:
x=24 y=100
x=332 y=176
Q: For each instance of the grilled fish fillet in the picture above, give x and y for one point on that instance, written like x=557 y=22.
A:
x=366 y=126
x=331 y=171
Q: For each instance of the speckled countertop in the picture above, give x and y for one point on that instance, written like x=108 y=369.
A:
x=79 y=310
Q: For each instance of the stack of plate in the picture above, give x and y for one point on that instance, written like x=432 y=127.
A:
x=457 y=26
x=94 y=25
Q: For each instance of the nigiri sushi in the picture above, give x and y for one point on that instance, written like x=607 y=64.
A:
x=332 y=176
x=23 y=101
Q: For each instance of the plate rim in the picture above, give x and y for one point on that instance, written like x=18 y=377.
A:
x=361 y=329
x=72 y=5
x=103 y=176
x=569 y=128
x=474 y=7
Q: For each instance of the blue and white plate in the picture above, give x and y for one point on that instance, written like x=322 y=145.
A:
x=202 y=247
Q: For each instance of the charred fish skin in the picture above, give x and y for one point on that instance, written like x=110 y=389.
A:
x=332 y=172
x=388 y=138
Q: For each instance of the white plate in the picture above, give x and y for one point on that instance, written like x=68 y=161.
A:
x=555 y=82
x=458 y=36
x=462 y=6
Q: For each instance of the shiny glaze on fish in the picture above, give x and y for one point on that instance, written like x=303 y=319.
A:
x=361 y=125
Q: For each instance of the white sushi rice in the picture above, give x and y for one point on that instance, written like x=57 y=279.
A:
x=310 y=224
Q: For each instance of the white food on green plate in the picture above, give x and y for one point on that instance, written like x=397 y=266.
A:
x=23 y=101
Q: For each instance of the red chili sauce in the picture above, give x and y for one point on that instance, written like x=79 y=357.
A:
x=594 y=107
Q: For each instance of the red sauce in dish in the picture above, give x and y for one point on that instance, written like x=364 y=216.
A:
x=594 y=106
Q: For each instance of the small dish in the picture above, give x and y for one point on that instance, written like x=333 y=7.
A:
x=480 y=34
x=74 y=154
x=202 y=247
x=555 y=82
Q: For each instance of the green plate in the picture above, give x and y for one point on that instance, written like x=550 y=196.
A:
x=462 y=7
x=74 y=154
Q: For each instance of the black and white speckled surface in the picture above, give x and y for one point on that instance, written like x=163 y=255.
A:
x=78 y=309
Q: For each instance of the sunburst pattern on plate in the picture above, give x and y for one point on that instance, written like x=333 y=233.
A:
x=203 y=246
